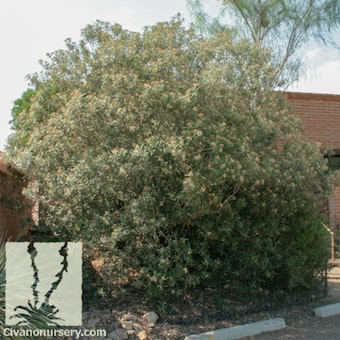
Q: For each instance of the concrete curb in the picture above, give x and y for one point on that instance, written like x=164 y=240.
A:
x=241 y=331
x=328 y=310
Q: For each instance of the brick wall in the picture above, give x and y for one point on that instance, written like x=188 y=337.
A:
x=15 y=212
x=334 y=208
x=320 y=115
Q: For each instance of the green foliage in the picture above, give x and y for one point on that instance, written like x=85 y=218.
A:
x=19 y=120
x=171 y=157
x=284 y=26
x=21 y=107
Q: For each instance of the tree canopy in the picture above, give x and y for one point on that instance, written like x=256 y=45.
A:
x=171 y=157
x=284 y=26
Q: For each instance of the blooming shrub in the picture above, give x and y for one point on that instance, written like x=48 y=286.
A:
x=173 y=160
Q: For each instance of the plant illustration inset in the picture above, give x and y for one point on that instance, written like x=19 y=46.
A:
x=45 y=314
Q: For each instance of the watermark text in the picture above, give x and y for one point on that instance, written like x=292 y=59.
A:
x=13 y=332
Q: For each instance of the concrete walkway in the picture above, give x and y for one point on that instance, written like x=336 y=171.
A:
x=317 y=329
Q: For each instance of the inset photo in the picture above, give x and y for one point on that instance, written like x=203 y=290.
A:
x=43 y=284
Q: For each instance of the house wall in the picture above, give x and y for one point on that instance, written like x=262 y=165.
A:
x=15 y=213
x=334 y=208
x=320 y=115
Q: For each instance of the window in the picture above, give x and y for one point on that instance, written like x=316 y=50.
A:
x=334 y=162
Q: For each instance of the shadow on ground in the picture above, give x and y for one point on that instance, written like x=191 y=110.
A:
x=308 y=326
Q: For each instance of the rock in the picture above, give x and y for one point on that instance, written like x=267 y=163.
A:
x=115 y=324
x=93 y=323
x=118 y=334
x=128 y=325
x=104 y=314
x=128 y=317
x=151 y=318
x=131 y=332
x=142 y=335
x=137 y=327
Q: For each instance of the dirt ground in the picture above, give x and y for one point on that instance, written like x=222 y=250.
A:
x=300 y=319
x=306 y=325
x=198 y=316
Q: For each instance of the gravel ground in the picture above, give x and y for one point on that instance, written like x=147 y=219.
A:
x=299 y=317
x=300 y=320
x=304 y=325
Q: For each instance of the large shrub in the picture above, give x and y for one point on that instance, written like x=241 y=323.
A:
x=174 y=160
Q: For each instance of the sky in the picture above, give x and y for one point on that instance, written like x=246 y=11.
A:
x=31 y=29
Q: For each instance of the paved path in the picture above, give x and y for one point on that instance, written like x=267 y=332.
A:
x=319 y=329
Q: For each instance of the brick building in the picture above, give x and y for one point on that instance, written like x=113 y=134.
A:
x=320 y=115
x=15 y=211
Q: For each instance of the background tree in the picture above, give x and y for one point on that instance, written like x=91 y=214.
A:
x=172 y=159
x=282 y=25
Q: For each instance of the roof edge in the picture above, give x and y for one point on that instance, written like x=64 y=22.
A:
x=312 y=96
